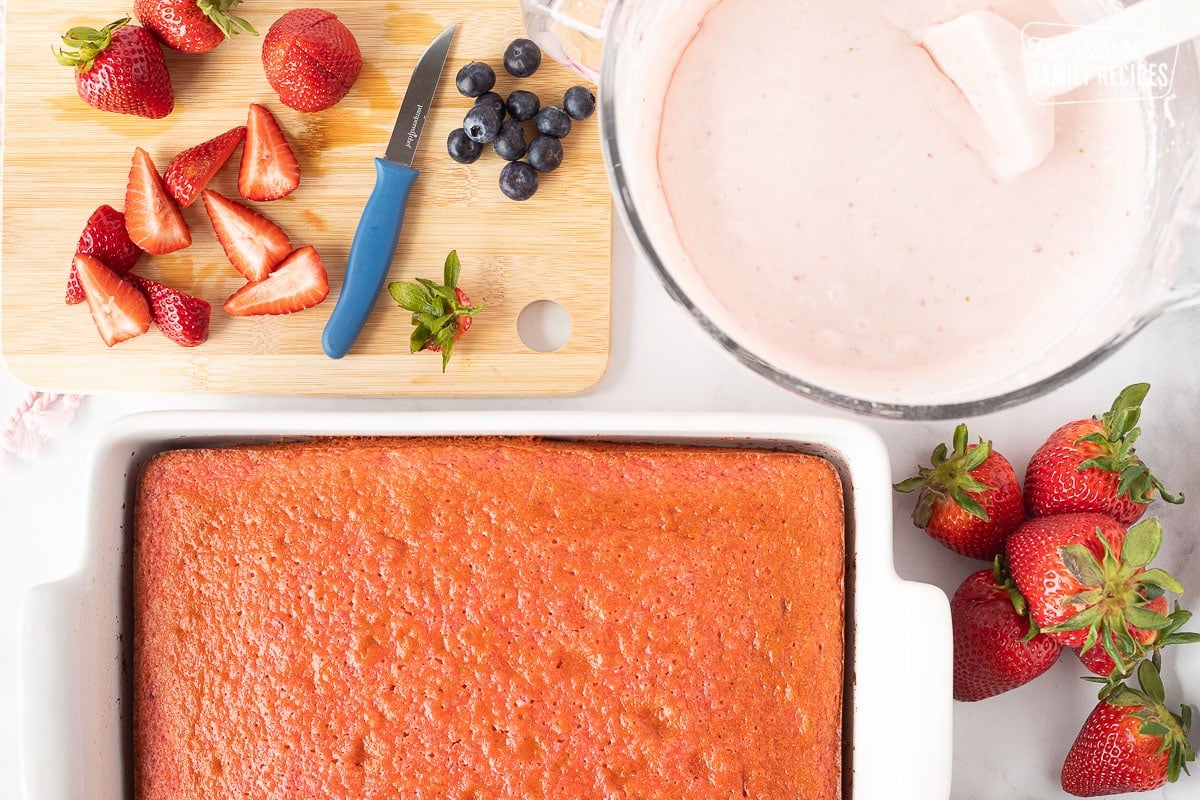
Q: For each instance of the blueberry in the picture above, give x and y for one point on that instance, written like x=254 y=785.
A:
x=482 y=123
x=462 y=148
x=522 y=58
x=518 y=180
x=579 y=102
x=475 y=79
x=553 y=121
x=494 y=100
x=522 y=105
x=509 y=143
x=545 y=153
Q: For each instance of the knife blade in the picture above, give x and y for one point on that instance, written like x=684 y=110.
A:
x=378 y=232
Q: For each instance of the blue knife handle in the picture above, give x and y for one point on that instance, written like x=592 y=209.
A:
x=370 y=256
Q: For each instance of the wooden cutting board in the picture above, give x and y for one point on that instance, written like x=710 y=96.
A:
x=62 y=159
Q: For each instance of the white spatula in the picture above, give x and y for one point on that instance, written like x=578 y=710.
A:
x=985 y=56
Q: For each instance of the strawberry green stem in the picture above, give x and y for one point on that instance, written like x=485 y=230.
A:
x=218 y=12
x=86 y=44
x=1117 y=453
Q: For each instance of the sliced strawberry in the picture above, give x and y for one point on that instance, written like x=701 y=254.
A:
x=104 y=237
x=254 y=244
x=191 y=170
x=269 y=168
x=118 y=308
x=152 y=218
x=298 y=283
x=181 y=317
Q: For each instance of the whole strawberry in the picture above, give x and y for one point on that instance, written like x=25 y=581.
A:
x=1130 y=742
x=119 y=68
x=1090 y=465
x=1085 y=579
x=996 y=646
x=970 y=500
x=311 y=59
x=442 y=313
x=192 y=26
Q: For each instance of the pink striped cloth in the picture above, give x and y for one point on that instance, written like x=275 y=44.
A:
x=38 y=418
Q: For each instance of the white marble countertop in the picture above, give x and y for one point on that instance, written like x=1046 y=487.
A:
x=1007 y=748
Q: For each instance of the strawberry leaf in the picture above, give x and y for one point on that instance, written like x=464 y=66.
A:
x=1084 y=619
x=968 y=504
x=1153 y=728
x=1187 y=637
x=452 y=270
x=1146 y=619
x=1122 y=695
x=939 y=455
x=909 y=484
x=1161 y=579
x=977 y=455
x=218 y=12
x=1142 y=543
x=411 y=297
x=1082 y=565
x=1151 y=682
x=420 y=337
x=1132 y=477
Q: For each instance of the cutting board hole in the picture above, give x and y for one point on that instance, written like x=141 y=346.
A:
x=544 y=326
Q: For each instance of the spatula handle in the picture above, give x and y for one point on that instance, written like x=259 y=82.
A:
x=1144 y=29
x=370 y=256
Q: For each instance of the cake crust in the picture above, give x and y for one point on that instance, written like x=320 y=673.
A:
x=487 y=618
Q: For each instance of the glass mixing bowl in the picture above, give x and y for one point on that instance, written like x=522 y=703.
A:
x=643 y=39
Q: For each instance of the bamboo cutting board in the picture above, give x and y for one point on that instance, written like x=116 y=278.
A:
x=62 y=159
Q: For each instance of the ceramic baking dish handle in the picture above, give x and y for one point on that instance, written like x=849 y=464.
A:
x=905 y=753
x=48 y=693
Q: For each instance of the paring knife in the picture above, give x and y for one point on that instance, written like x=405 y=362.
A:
x=379 y=229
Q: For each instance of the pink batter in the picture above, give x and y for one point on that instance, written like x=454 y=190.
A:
x=816 y=167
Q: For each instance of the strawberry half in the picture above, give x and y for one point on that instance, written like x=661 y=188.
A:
x=190 y=171
x=254 y=244
x=442 y=313
x=298 y=283
x=1130 y=742
x=191 y=26
x=119 y=68
x=181 y=317
x=152 y=218
x=970 y=500
x=269 y=168
x=118 y=308
x=1090 y=465
x=104 y=237
x=996 y=646
x=1085 y=579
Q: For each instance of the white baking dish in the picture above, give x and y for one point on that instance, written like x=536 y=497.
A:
x=74 y=632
